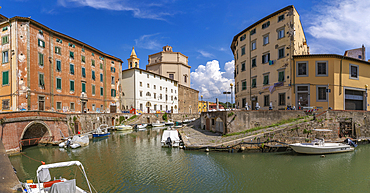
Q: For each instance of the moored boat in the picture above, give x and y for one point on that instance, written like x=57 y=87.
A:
x=141 y=126
x=123 y=127
x=158 y=124
x=101 y=131
x=169 y=123
x=170 y=138
x=320 y=147
x=45 y=185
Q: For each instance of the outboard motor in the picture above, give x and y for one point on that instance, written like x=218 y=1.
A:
x=169 y=142
x=350 y=142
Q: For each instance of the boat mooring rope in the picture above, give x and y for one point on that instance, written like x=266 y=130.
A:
x=43 y=163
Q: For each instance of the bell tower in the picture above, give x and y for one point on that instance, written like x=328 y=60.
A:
x=133 y=61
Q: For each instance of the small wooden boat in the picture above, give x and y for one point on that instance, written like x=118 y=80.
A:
x=320 y=147
x=45 y=185
x=123 y=127
x=101 y=131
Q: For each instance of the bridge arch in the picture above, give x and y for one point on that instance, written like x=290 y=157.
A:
x=35 y=129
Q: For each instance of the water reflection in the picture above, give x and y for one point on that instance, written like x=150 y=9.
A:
x=135 y=161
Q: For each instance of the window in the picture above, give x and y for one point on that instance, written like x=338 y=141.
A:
x=83 y=72
x=112 y=92
x=353 y=70
x=71 y=55
x=148 y=85
x=5 y=78
x=281 y=17
x=93 y=108
x=71 y=45
x=281 y=98
x=243 y=50
x=281 y=53
x=302 y=69
x=185 y=79
x=171 y=98
x=101 y=91
x=266 y=101
x=93 y=89
x=236 y=70
x=41 y=102
x=254 y=82
x=83 y=87
x=72 y=85
x=6 y=105
x=160 y=87
x=160 y=96
x=59 y=40
x=112 y=69
x=281 y=33
x=112 y=79
x=281 y=76
x=72 y=106
x=148 y=94
x=5 y=56
x=59 y=105
x=170 y=75
x=5 y=28
x=237 y=87
x=243 y=67
x=155 y=95
x=141 y=93
x=244 y=85
x=41 y=43
x=253 y=31
x=321 y=68
x=254 y=62
x=154 y=87
x=171 y=90
x=101 y=77
x=83 y=49
x=59 y=65
x=92 y=54
x=166 y=97
x=59 y=83
x=41 y=80
x=83 y=59
x=92 y=74
x=58 y=50
x=242 y=37
x=101 y=66
x=71 y=69
x=321 y=93
x=5 y=39
x=92 y=62
x=265 y=39
x=265 y=25
x=41 y=59
x=265 y=58
x=265 y=79
x=253 y=45
x=141 y=84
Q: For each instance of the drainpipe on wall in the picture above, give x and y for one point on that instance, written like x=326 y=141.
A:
x=10 y=65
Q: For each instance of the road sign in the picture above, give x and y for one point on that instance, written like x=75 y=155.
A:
x=328 y=90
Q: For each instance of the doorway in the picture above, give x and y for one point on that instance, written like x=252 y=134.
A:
x=83 y=107
x=302 y=96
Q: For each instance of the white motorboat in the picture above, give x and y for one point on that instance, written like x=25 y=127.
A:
x=170 y=138
x=320 y=147
x=76 y=142
x=158 y=124
x=186 y=121
x=169 y=123
x=141 y=126
x=101 y=131
x=123 y=127
x=45 y=185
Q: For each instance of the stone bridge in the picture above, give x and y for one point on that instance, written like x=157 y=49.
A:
x=24 y=128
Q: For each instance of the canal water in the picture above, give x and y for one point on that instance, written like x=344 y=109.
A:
x=136 y=162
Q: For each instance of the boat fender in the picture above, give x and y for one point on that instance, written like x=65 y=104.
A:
x=207 y=150
x=322 y=156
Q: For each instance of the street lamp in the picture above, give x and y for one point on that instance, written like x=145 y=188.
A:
x=231 y=95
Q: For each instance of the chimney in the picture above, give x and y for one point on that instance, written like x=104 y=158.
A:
x=217 y=107
x=363 y=52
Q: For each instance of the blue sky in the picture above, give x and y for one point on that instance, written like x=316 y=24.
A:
x=202 y=30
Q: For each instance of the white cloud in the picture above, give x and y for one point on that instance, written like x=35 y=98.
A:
x=205 y=54
x=139 y=10
x=148 y=42
x=341 y=23
x=211 y=81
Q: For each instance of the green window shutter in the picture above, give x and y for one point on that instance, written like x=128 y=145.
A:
x=41 y=59
x=254 y=83
x=101 y=66
x=92 y=54
x=101 y=91
x=93 y=75
x=281 y=76
x=101 y=77
x=6 y=78
x=83 y=59
x=59 y=83
x=41 y=80
x=83 y=73
x=83 y=87
x=71 y=85
x=71 y=69
x=59 y=65
x=71 y=54
x=266 y=80
x=93 y=89
x=5 y=28
x=83 y=50
x=92 y=62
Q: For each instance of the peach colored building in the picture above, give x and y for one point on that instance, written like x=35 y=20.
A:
x=43 y=69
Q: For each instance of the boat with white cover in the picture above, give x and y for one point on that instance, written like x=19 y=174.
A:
x=320 y=147
x=45 y=185
x=170 y=138
x=123 y=127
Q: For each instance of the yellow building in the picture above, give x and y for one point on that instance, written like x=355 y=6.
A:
x=347 y=78
x=263 y=54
